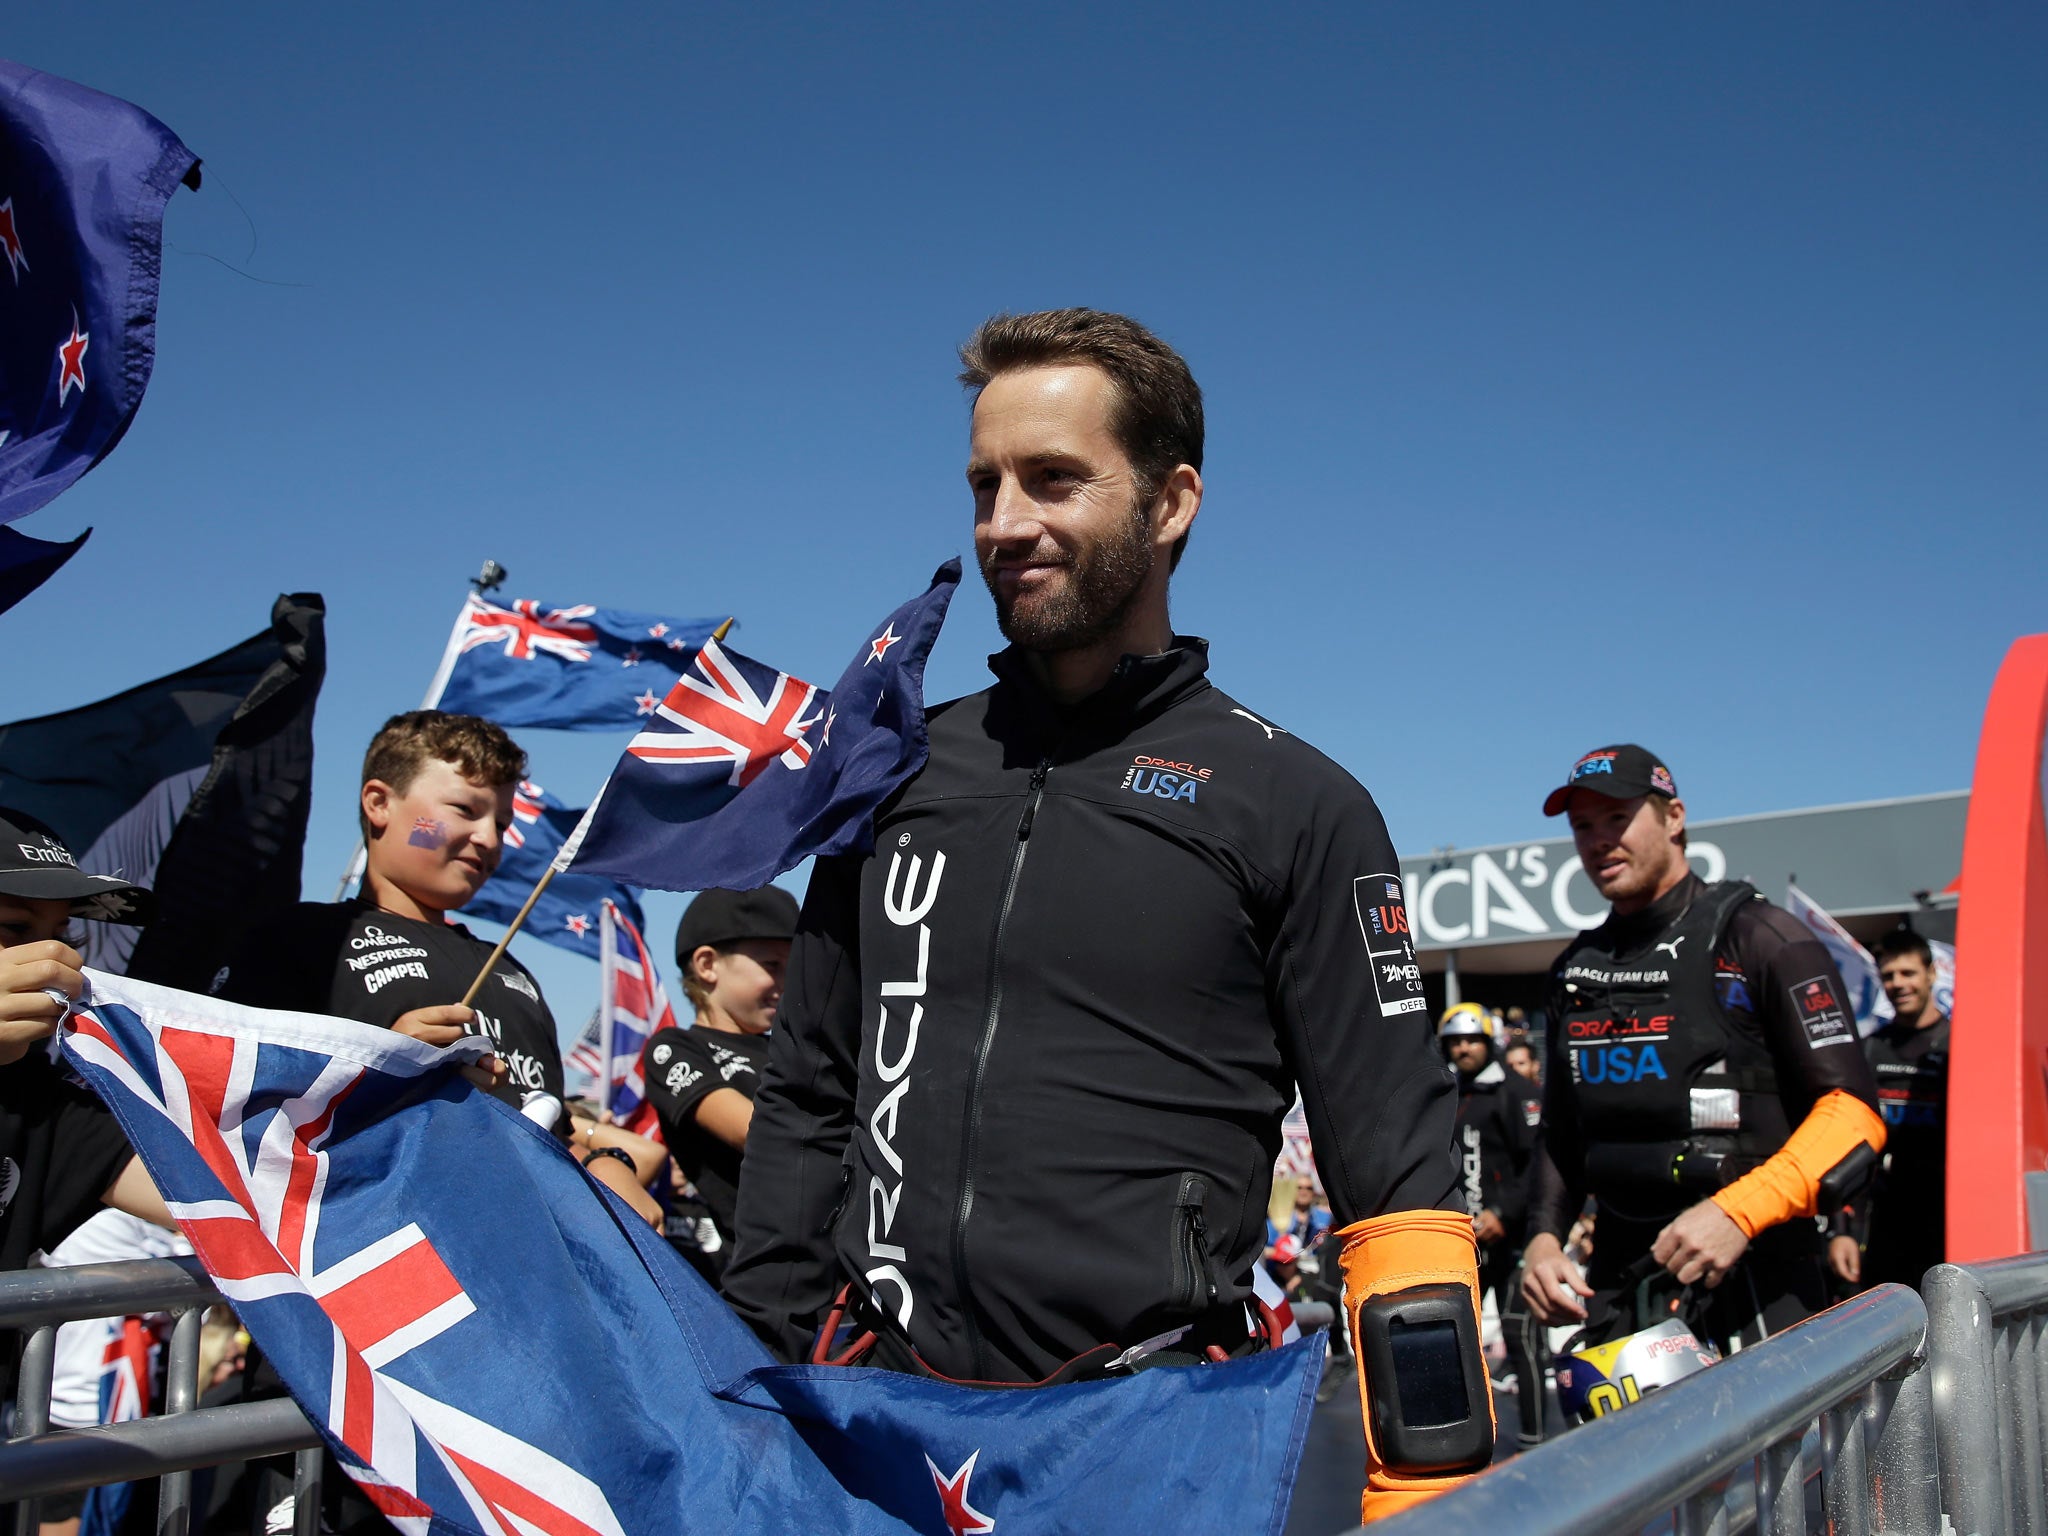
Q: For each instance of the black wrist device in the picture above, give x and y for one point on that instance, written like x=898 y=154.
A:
x=620 y=1153
x=1426 y=1380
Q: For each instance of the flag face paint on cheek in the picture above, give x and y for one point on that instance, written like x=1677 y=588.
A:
x=428 y=833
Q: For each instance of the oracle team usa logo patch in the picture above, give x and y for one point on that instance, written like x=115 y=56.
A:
x=1383 y=920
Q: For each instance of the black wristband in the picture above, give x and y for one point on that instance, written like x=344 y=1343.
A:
x=622 y=1155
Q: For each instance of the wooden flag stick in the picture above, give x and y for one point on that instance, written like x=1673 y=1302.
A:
x=561 y=861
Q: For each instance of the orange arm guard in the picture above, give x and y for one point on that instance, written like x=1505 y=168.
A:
x=1391 y=1253
x=1788 y=1184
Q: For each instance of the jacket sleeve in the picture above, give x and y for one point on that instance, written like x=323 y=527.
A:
x=783 y=1273
x=1347 y=1002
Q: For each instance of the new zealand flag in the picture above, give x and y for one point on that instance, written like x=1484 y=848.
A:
x=569 y=911
x=573 y=668
x=744 y=771
x=83 y=183
x=512 y=1352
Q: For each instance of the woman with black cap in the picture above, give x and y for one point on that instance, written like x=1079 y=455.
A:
x=61 y=1155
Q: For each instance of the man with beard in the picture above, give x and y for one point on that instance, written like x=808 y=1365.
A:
x=1025 y=1089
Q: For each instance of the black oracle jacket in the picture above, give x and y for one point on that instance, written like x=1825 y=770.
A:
x=1499 y=1114
x=1028 y=1074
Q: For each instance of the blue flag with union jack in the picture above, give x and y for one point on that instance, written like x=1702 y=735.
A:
x=492 y=1345
x=83 y=182
x=744 y=771
x=568 y=668
x=569 y=913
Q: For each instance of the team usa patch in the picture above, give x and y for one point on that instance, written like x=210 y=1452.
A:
x=1817 y=1003
x=1164 y=779
x=1383 y=919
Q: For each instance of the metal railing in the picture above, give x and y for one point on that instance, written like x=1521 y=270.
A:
x=1846 y=1393
x=1985 y=1343
x=41 y=1462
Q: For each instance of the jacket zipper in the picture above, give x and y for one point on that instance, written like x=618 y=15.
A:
x=1194 y=1279
x=970 y=1134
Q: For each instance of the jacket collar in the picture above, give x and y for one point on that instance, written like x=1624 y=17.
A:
x=1140 y=687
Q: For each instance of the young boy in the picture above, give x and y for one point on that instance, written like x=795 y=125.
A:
x=732 y=947
x=436 y=799
x=61 y=1155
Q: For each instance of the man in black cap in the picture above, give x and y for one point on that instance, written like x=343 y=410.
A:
x=731 y=947
x=61 y=1155
x=1710 y=1093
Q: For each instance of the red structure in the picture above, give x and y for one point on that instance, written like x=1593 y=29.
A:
x=1998 y=1072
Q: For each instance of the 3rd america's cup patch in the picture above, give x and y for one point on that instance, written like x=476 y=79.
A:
x=1383 y=920
x=1819 y=1007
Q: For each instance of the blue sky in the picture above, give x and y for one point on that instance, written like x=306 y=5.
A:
x=1574 y=373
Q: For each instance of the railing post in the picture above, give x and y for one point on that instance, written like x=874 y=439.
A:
x=2023 y=1406
x=181 y=1395
x=1845 y=1465
x=1781 y=1489
x=1961 y=1376
x=32 y=1408
x=306 y=1492
x=1905 y=1484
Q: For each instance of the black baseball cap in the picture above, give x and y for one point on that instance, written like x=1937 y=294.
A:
x=35 y=863
x=720 y=917
x=1620 y=773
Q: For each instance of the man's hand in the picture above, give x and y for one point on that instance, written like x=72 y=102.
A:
x=1551 y=1283
x=1486 y=1227
x=27 y=1014
x=1845 y=1259
x=444 y=1026
x=1701 y=1244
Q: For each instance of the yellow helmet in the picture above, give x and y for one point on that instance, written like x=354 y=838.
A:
x=1467 y=1019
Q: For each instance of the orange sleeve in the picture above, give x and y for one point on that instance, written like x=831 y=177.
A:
x=1391 y=1253
x=1788 y=1183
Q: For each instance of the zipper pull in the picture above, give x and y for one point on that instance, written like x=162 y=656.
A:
x=1201 y=1230
x=1031 y=806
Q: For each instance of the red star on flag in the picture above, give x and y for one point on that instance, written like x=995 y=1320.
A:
x=879 y=646
x=577 y=923
x=961 y=1517
x=679 y=644
x=632 y=658
x=658 y=630
x=648 y=702
x=72 y=355
x=10 y=242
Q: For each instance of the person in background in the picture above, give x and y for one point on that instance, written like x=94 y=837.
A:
x=1499 y=1113
x=62 y=1157
x=1898 y=1233
x=1520 y=1059
x=731 y=947
x=1306 y=1220
x=435 y=799
x=1713 y=1099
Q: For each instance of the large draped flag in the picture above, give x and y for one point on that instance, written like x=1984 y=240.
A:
x=83 y=183
x=567 y=668
x=511 y=1352
x=570 y=912
x=745 y=771
x=198 y=784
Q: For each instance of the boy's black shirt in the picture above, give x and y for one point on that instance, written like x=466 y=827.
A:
x=683 y=1065
x=354 y=961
